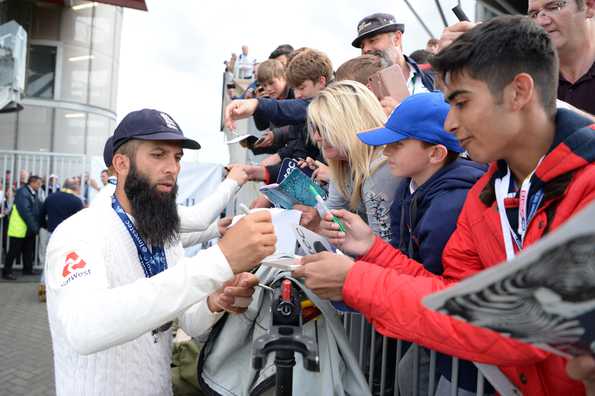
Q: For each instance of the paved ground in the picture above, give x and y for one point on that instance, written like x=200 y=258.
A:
x=26 y=366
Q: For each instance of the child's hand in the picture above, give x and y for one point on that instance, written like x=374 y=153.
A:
x=356 y=241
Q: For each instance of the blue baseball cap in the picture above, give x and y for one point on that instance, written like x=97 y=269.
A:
x=108 y=151
x=149 y=124
x=419 y=117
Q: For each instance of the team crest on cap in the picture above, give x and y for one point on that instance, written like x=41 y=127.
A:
x=169 y=121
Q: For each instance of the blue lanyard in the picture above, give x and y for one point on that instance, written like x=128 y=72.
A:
x=152 y=263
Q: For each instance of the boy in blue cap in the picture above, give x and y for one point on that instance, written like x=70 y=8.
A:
x=430 y=197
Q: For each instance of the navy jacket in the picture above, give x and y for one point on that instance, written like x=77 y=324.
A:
x=29 y=208
x=291 y=112
x=423 y=222
x=58 y=207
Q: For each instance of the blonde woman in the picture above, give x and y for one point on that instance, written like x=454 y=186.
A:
x=360 y=177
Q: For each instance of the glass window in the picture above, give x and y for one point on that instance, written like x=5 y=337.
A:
x=98 y=130
x=105 y=25
x=100 y=81
x=69 y=133
x=8 y=126
x=35 y=128
x=41 y=71
x=75 y=73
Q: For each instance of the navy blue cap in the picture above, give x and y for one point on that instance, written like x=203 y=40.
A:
x=419 y=117
x=108 y=151
x=149 y=124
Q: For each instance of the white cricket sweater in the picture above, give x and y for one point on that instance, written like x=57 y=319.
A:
x=102 y=309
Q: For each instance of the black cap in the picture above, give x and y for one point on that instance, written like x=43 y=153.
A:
x=149 y=124
x=375 y=24
x=108 y=151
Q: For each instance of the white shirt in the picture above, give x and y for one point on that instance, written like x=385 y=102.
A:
x=244 y=66
x=102 y=309
x=106 y=191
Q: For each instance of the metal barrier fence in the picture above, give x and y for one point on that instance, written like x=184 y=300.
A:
x=12 y=163
x=381 y=366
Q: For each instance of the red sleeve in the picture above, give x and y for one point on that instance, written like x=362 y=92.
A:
x=267 y=176
x=389 y=291
x=392 y=302
x=385 y=255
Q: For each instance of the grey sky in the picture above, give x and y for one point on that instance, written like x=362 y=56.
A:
x=172 y=56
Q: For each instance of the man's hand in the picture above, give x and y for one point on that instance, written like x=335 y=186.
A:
x=238 y=173
x=235 y=295
x=271 y=160
x=249 y=241
x=222 y=225
x=310 y=218
x=324 y=273
x=359 y=237
x=238 y=109
x=254 y=172
x=452 y=32
x=266 y=140
x=582 y=368
x=388 y=104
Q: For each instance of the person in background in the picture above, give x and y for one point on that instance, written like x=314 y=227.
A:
x=432 y=46
x=282 y=53
x=53 y=185
x=569 y=23
x=23 y=227
x=381 y=33
x=104 y=176
x=109 y=187
x=244 y=65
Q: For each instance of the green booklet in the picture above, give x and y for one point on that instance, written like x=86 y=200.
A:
x=294 y=189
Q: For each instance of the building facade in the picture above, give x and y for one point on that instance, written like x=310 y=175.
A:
x=69 y=103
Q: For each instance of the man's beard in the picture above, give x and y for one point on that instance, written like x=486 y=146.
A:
x=155 y=213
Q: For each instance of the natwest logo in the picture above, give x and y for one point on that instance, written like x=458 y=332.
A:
x=73 y=262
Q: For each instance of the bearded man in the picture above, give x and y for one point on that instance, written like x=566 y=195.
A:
x=117 y=275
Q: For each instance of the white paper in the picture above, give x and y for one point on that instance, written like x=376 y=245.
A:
x=306 y=239
x=284 y=222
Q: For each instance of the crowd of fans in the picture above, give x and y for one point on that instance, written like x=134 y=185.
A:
x=410 y=179
x=475 y=163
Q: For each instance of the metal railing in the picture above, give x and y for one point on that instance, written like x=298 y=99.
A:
x=380 y=359
x=12 y=163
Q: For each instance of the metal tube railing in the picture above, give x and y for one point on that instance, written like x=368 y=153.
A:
x=364 y=347
x=36 y=163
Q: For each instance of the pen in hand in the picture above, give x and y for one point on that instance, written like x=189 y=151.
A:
x=323 y=209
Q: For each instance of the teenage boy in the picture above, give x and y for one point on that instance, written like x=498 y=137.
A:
x=430 y=197
x=308 y=73
x=272 y=79
x=500 y=80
